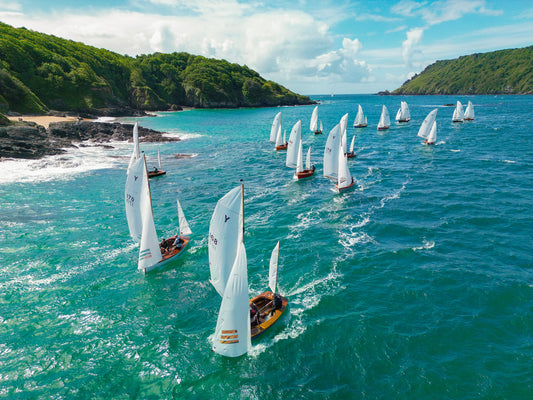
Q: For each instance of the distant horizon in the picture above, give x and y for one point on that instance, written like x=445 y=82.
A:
x=327 y=47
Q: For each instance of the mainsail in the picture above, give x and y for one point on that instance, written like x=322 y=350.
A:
x=225 y=233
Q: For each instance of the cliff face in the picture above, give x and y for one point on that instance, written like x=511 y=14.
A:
x=497 y=72
x=41 y=72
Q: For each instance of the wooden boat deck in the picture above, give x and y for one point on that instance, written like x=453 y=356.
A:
x=171 y=254
x=152 y=174
x=264 y=303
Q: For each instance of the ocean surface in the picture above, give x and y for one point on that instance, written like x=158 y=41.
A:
x=416 y=284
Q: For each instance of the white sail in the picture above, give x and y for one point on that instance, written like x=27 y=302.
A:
x=403 y=113
x=184 y=228
x=276 y=126
x=344 y=177
x=425 y=128
x=352 y=144
x=432 y=137
x=321 y=128
x=360 y=118
x=273 y=269
x=233 y=331
x=458 y=113
x=308 y=159
x=331 y=152
x=299 y=160
x=344 y=144
x=149 y=251
x=159 y=159
x=132 y=197
x=469 y=112
x=136 y=154
x=225 y=232
x=343 y=124
x=384 y=119
x=295 y=143
x=314 y=120
x=399 y=114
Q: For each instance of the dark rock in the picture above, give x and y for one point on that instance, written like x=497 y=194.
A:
x=29 y=140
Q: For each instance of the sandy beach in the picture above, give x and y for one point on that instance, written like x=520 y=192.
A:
x=44 y=120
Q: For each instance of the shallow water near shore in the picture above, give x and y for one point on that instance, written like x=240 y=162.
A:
x=418 y=283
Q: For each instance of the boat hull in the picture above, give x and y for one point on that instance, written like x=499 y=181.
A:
x=344 y=188
x=264 y=303
x=318 y=132
x=306 y=173
x=282 y=147
x=360 y=126
x=153 y=174
x=403 y=120
x=383 y=128
x=171 y=255
x=351 y=154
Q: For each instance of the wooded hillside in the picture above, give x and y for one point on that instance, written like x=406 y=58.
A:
x=497 y=72
x=41 y=72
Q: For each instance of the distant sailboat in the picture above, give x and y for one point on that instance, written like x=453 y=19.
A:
x=403 y=114
x=384 y=119
x=157 y=171
x=294 y=154
x=351 y=153
x=152 y=254
x=281 y=141
x=344 y=178
x=276 y=127
x=132 y=197
x=458 y=113
x=469 y=112
x=229 y=276
x=428 y=129
x=332 y=149
x=360 y=119
x=313 y=126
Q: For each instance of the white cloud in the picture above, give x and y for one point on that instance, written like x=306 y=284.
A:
x=409 y=45
x=441 y=11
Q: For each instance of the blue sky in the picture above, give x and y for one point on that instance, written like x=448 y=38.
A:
x=311 y=47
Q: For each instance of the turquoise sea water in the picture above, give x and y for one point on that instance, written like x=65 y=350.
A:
x=417 y=284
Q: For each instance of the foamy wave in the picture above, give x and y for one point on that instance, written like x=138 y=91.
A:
x=62 y=166
x=305 y=220
x=427 y=244
x=181 y=135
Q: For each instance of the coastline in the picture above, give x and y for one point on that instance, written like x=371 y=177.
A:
x=43 y=120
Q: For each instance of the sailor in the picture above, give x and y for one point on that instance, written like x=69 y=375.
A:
x=277 y=302
x=254 y=314
x=178 y=242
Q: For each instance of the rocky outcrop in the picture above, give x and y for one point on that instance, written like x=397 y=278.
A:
x=29 y=140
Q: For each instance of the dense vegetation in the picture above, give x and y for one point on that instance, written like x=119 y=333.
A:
x=497 y=72
x=41 y=72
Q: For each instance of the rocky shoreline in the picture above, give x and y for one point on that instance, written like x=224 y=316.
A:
x=28 y=140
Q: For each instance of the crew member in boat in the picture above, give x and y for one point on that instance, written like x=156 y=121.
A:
x=276 y=303
x=255 y=315
x=178 y=243
x=155 y=169
x=163 y=246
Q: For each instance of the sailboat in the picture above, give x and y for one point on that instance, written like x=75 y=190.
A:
x=360 y=118
x=281 y=141
x=314 y=122
x=333 y=148
x=351 y=153
x=428 y=129
x=157 y=171
x=458 y=113
x=403 y=114
x=270 y=305
x=384 y=119
x=294 y=154
x=229 y=276
x=344 y=178
x=153 y=254
x=132 y=197
x=276 y=126
x=469 y=112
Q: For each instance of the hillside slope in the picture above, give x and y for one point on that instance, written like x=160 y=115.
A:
x=41 y=72
x=498 y=72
